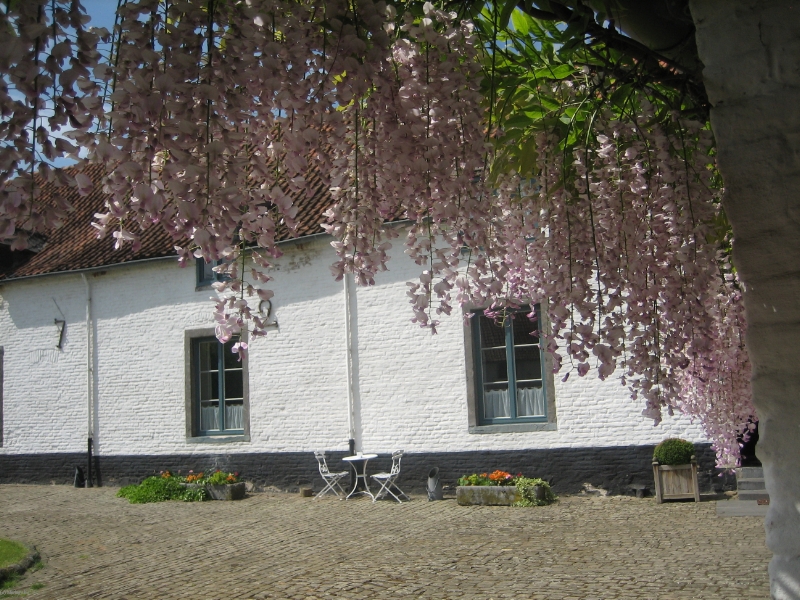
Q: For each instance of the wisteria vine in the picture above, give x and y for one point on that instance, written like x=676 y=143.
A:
x=212 y=118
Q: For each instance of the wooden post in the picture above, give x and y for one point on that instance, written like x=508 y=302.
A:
x=657 y=478
x=695 y=484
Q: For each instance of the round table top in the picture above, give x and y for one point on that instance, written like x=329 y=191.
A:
x=360 y=457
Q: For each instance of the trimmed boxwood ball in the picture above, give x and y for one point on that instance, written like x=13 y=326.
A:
x=674 y=451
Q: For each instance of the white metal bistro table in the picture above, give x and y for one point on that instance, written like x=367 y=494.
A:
x=359 y=464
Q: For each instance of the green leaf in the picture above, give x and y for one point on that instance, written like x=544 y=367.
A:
x=620 y=96
x=522 y=22
x=560 y=72
x=527 y=157
x=518 y=122
x=508 y=8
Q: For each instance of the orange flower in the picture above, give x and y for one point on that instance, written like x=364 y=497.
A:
x=500 y=476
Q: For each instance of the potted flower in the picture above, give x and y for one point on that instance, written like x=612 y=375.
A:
x=501 y=488
x=675 y=470
x=224 y=486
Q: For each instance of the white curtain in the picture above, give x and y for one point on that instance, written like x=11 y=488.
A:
x=496 y=404
x=234 y=414
x=531 y=402
x=208 y=418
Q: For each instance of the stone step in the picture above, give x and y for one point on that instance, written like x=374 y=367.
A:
x=752 y=495
x=750 y=473
x=751 y=484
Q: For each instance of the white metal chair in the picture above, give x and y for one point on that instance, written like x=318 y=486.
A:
x=331 y=479
x=387 y=480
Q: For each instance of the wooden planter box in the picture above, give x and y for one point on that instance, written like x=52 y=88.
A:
x=487 y=495
x=675 y=482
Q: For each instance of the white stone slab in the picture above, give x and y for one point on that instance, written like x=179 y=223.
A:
x=741 y=508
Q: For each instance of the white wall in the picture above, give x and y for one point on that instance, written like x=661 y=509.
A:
x=410 y=392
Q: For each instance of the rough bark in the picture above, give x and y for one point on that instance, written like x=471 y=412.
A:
x=751 y=52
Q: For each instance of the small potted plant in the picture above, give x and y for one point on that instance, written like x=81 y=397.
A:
x=224 y=486
x=675 y=471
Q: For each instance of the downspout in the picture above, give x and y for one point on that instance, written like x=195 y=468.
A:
x=351 y=415
x=89 y=380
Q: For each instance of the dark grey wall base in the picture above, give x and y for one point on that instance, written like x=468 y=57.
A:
x=567 y=469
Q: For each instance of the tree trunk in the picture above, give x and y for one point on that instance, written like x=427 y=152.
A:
x=751 y=52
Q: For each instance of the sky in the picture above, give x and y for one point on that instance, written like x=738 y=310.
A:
x=101 y=11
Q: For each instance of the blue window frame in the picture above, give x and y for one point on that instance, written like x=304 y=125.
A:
x=509 y=368
x=218 y=387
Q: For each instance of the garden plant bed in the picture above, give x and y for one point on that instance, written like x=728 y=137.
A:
x=501 y=488
x=15 y=559
x=487 y=495
x=194 y=487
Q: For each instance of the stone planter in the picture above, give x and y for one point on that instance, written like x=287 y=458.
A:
x=674 y=482
x=488 y=495
x=231 y=491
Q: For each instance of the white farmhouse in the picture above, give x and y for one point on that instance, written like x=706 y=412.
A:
x=113 y=353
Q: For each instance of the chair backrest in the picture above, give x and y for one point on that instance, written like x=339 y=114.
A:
x=396 y=456
x=323 y=465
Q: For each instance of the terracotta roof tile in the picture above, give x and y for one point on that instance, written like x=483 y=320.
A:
x=75 y=246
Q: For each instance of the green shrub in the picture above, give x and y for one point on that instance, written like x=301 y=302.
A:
x=474 y=479
x=674 y=451
x=222 y=478
x=526 y=487
x=496 y=477
x=161 y=489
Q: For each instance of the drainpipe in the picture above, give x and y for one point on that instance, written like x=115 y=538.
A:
x=89 y=379
x=351 y=415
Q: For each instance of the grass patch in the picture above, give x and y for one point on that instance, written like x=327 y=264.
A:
x=160 y=489
x=37 y=586
x=9 y=582
x=11 y=552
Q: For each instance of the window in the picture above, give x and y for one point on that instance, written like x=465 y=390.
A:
x=508 y=377
x=205 y=272
x=218 y=389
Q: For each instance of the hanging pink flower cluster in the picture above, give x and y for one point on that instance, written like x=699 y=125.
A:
x=50 y=81
x=617 y=238
x=212 y=117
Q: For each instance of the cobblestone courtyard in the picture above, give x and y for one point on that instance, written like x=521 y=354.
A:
x=275 y=545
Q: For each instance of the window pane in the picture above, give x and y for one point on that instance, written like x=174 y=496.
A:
x=528 y=362
x=233 y=385
x=491 y=334
x=230 y=359
x=208 y=271
x=208 y=355
x=496 y=403
x=525 y=330
x=209 y=416
x=530 y=400
x=209 y=386
x=234 y=415
x=495 y=365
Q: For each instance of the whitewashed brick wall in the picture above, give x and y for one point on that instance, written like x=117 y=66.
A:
x=411 y=389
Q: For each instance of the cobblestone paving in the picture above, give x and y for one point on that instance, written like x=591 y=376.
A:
x=274 y=545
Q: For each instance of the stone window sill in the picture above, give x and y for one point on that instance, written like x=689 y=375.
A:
x=217 y=439
x=513 y=428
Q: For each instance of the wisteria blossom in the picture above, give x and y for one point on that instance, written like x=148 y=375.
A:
x=211 y=118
